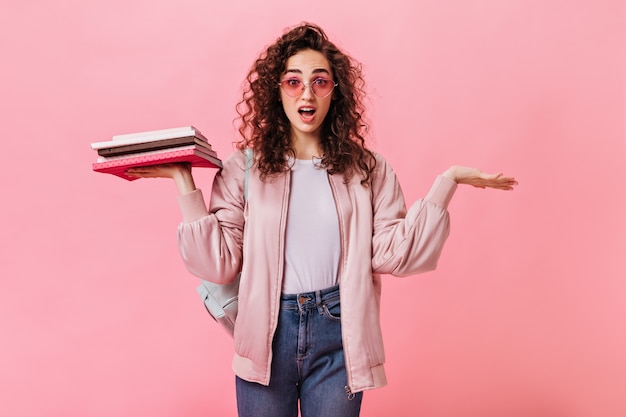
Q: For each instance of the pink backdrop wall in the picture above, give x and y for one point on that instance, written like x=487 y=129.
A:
x=525 y=315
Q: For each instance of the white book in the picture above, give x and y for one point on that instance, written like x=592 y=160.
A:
x=149 y=136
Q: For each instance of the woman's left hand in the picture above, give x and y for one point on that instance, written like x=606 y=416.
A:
x=479 y=179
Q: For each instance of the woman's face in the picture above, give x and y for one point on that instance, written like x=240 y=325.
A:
x=306 y=92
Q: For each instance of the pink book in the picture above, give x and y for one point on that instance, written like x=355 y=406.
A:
x=116 y=165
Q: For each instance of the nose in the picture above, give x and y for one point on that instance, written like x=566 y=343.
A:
x=307 y=93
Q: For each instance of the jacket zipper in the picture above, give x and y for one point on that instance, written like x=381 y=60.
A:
x=281 y=251
x=342 y=249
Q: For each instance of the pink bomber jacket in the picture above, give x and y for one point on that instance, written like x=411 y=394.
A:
x=378 y=236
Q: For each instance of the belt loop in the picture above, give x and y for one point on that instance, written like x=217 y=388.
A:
x=300 y=300
x=318 y=302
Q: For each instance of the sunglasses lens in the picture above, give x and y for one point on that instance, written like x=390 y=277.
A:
x=292 y=86
x=322 y=87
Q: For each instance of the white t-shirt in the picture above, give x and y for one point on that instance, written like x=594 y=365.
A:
x=312 y=248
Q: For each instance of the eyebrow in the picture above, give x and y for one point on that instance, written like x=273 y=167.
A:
x=315 y=71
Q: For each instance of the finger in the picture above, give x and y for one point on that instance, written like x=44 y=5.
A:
x=501 y=185
x=141 y=172
x=507 y=179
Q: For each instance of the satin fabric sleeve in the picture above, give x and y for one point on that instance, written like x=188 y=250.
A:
x=210 y=239
x=407 y=242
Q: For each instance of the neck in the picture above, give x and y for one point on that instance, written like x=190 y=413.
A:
x=306 y=146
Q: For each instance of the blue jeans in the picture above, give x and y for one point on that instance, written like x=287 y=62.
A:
x=308 y=363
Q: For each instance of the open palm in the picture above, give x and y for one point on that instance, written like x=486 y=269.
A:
x=480 y=179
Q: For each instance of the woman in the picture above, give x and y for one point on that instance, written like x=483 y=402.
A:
x=324 y=218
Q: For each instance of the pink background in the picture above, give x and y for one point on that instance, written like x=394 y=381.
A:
x=525 y=315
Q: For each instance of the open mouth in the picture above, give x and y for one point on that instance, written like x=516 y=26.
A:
x=306 y=111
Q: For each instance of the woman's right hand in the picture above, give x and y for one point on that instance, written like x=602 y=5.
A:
x=179 y=172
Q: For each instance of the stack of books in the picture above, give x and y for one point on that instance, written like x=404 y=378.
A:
x=182 y=144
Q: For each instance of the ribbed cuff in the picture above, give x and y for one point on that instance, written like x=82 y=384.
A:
x=192 y=206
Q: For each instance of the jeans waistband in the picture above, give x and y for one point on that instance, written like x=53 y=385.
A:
x=309 y=300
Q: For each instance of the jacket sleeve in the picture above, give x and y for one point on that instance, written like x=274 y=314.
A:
x=210 y=240
x=408 y=242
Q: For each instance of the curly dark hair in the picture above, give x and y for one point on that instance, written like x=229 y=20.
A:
x=265 y=127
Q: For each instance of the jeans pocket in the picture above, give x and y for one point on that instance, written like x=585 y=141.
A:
x=332 y=310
